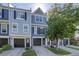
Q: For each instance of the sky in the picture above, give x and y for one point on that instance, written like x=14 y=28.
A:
x=33 y=6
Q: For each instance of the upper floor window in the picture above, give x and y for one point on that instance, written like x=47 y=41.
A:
x=38 y=19
x=40 y=30
x=33 y=18
x=45 y=20
x=0 y=13
x=4 y=28
x=20 y=15
x=14 y=27
x=25 y=28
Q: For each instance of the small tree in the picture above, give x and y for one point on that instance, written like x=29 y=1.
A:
x=62 y=22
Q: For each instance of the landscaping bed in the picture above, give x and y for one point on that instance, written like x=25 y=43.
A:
x=59 y=51
x=5 y=47
x=29 y=52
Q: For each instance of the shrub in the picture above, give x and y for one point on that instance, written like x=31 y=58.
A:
x=6 y=47
x=29 y=52
x=0 y=50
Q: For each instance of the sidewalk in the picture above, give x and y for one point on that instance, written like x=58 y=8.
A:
x=72 y=51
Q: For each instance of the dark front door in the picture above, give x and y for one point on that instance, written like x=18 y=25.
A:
x=18 y=42
x=37 y=41
x=3 y=41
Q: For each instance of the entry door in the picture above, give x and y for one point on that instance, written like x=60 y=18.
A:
x=37 y=42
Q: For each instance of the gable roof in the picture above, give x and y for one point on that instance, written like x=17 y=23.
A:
x=38 y=11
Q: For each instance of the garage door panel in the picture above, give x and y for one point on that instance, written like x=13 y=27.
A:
x=3 y=41
x=37 y=42
x=19 y=42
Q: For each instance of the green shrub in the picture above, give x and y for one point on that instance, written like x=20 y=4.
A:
x=29 y=52
x=0 y=50
x=6 y=47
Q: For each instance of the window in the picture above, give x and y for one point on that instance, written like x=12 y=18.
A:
x=20 y=15
x=32 y=30
x=45 y=20
x=40 y=30
x=38 y=19
x=4 y=28
x=25 y=28
x=33 y=18
x=14 y=27
x=0 y=13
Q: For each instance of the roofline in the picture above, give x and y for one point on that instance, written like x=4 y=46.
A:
x=15 y=8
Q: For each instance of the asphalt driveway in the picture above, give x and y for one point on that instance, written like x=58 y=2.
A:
x=13 y=52
x=41 y=51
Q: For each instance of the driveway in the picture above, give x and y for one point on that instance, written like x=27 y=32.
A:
x=72 y=51
x=13 y=52
x=41 y=51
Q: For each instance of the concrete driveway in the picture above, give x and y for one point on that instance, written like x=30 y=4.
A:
x=72 y=51
x=41 y=51
x=13 y=52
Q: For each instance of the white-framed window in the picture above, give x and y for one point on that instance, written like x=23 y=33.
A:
x=20 y=15
x=0 y=13
x=25 y=28
x=4 y=28
x=14 y=27
x=39 y=19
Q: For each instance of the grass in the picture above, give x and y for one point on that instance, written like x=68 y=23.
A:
x=5 y=47
x=29 y=52
x=0 y=50
x=59 y=51
x=73 y=47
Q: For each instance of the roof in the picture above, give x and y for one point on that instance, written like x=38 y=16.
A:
x=39 y=11
x=15 y=8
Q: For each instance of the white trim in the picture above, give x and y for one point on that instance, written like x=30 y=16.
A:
x=6 y=28
x=16 y=28
x=1 y=13
x=4 y=36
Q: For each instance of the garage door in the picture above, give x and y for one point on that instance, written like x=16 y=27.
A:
x=37 y=42
x=18 y=42
x=3 y=41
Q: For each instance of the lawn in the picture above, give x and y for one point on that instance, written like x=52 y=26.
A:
x=29 y=52
x=59 y=51
x=73 y=47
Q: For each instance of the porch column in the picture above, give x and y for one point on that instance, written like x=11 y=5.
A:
x=41 y=41
x=58 y=42
x=68 y=41
x=30 y=42
x=62 y=43
x=12 y=42
x=8 y=40
x=25 y=42
x=46 y=41
x=50 y=42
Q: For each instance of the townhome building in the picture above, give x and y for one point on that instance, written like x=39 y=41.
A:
x=39 y=27
x=22 y=28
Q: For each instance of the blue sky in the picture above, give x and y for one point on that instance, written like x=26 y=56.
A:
x=33 y=6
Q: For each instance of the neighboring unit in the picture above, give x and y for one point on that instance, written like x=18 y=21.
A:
x=22 y=28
